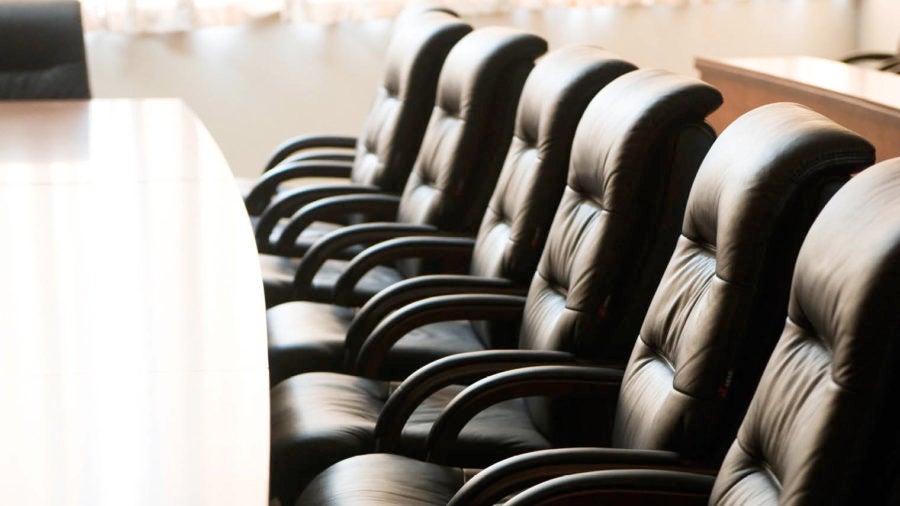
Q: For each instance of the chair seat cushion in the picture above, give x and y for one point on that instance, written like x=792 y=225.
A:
x=306 y=337
x=332 y=416
x=384 y=479
x=309 y=336
x=278 y=279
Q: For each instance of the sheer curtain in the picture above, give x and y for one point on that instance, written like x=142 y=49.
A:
x=173 y=15
x=328 y=11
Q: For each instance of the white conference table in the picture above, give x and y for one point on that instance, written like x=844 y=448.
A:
x=133 y=363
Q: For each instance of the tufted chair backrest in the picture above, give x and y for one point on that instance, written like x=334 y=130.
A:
x=518 y=216
x=722 y=300
x=470 y=129
x=515 y=224
x=42 y=51
x=393 y=130
x=634 y=156
x=822 y=424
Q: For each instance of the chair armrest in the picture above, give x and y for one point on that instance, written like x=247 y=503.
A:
x=267 y=185
x=628 y=486
x=290 y=203
x=552 y=380
x=461 y=368
x=866 y=55
x=522 y=471
x=374 y=206
x=432 y=310
x=443 y=248
x=299 y=143
x=411 y=290
x=328 y=155
x=334 y=242
x=891 y=64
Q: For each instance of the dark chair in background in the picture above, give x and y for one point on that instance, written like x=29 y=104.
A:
x=42 y=51
x=308 y=336
x=712 y=323
x=457 y=167
x=822 y=426
x=381 y=159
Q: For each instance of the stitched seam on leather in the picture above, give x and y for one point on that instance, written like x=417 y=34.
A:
x=817 y=335
x=555 y=287
x=529 y=145
x=694 y=300
x=760 y=464
x=733 y=283
x=589 y=198
x=706 y=245
x=668 y=363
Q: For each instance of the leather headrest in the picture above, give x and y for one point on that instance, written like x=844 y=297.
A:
x=414 y=47
x=538 y=118
x=745 y=187
x=652 y=99
x=462 y=86
x=847 y=278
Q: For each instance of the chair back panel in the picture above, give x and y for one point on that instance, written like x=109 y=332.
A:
x=515 y=224
x=616 y=188
x=470 y=129
x=518 y=216
x=393 y=130
x=821 y=426
x=640 y=140
x=717 y=311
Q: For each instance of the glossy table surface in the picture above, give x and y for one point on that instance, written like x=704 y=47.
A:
x=864 y=100
x=872 y=86
x=133 y=362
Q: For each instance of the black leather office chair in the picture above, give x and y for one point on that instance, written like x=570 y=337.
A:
x=822 y=426
x=42 y=51
x=635 y=153
x=451 y=182
x=712 y=322
x=383 y=155
x=307 y=336
x=879 y=60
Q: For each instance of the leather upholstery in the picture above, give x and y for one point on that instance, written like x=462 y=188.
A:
x=42 y=51
x=640 y=109
x=462 y=151
x=469 y=130
x=762 y=179
x=512 y=232
x=717 y=311
x=434 y=484
x=387 y=146
x=823 y=420
x=596 y=258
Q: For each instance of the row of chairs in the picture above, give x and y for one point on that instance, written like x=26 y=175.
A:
x=621 y=296
x=591 y=208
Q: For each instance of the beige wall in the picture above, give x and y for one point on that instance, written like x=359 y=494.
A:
x=256 y=84
x=879 y=25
